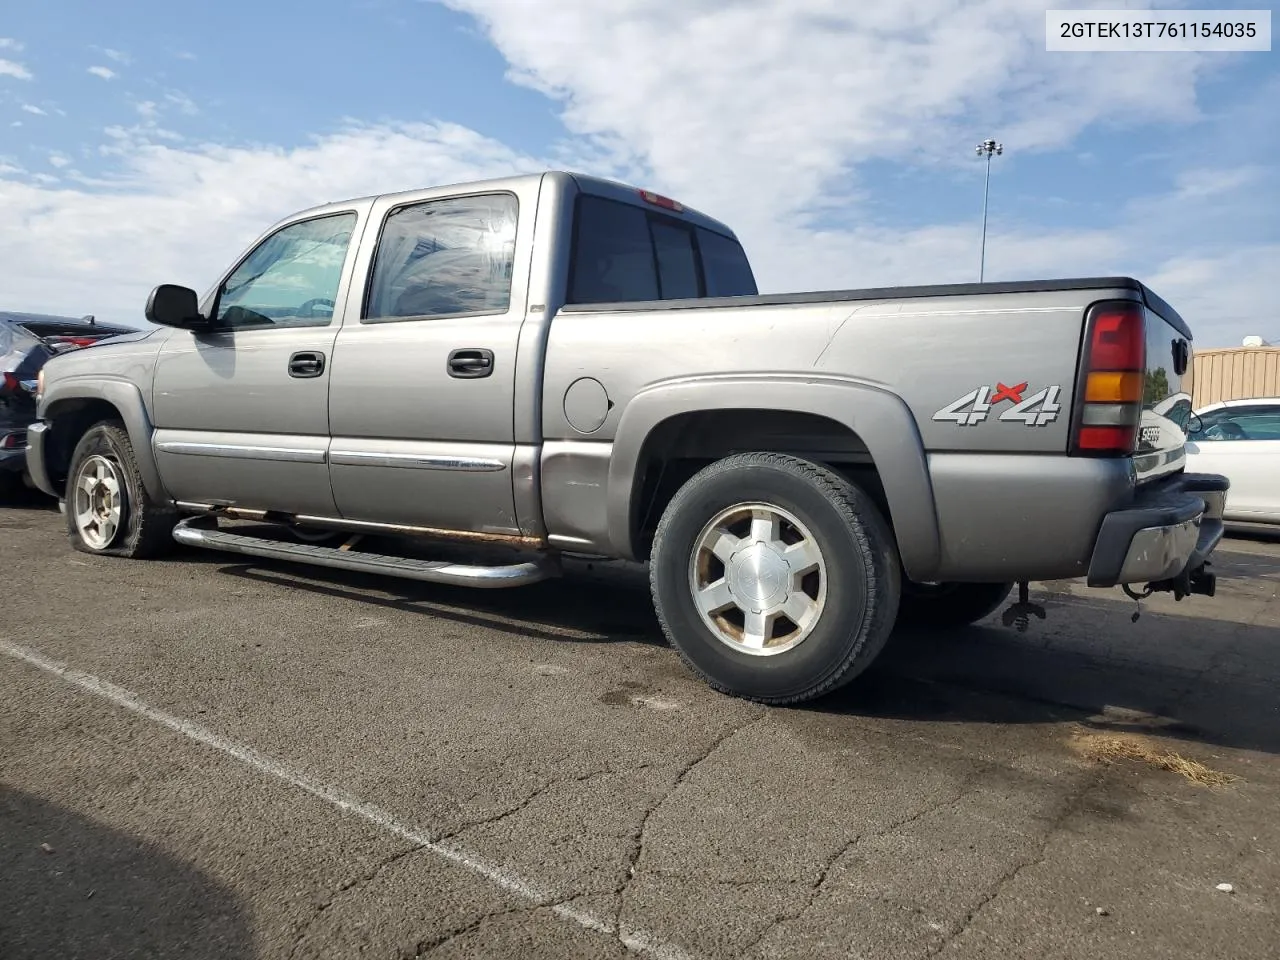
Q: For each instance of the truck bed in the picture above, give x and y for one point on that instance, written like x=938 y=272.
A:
x=1148 y=296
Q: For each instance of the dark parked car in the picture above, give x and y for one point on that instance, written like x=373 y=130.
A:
x=27 y=340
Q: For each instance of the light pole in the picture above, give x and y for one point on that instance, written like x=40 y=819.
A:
x=986 y=148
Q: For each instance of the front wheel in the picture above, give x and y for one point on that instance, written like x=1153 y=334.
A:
x=108 y=509
x=774 y=578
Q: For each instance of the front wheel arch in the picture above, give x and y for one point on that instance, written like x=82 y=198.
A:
x=73 y=406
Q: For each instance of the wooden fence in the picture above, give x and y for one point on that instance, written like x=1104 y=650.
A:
x=1235 y=373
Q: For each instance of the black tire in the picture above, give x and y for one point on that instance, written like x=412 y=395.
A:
x=950 y=605
x=317 y=536
x=11 y=487
x=145 y=526
x=862 y=571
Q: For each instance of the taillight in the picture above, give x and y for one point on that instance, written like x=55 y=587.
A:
x=14 y=441
x=1109 y=403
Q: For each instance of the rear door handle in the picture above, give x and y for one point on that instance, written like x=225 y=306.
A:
x=470 y=362
x=306 y=363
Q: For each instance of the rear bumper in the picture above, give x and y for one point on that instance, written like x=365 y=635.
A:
x=36 y=433
x=1163 y=534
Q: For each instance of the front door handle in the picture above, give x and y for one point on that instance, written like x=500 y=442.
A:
x=306 y=363
x=470 y=362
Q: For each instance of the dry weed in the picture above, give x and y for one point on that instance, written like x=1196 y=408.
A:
x=1110 y=747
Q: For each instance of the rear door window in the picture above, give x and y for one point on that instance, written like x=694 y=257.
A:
x=445 y=257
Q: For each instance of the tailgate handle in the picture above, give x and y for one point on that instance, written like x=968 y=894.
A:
x=1181 y=356
x=470 y=363
x=306 y=363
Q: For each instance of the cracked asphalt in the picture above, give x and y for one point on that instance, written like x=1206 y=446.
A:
x=207 y=757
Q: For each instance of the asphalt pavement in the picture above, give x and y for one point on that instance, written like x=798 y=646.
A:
x=209 y=756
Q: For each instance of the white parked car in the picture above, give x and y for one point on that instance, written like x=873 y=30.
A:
x=1240 y=439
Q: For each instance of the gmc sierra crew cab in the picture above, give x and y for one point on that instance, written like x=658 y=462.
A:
x=565 y=365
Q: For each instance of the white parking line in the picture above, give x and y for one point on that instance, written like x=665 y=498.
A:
x=638 y=941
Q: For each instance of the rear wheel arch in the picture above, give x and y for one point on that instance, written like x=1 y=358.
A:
x=868 y=434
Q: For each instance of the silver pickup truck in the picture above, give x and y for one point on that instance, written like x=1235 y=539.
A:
x=565 y=365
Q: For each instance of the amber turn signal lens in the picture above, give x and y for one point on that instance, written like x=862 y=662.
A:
x=1113 y=386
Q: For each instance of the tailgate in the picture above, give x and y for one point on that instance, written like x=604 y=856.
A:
x=1166 y=399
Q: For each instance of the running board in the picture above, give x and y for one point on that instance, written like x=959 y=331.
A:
x=431 y=571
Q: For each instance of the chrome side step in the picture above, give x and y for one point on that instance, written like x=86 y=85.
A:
x=432 y=571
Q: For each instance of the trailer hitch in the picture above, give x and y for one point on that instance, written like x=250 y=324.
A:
x=1196 y=581
x=1190 y=582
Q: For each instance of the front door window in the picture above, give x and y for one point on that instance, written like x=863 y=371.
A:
x=290 y=279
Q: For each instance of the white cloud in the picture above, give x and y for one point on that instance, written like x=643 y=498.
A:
x=1215 y=181
x=762 y=113
x=33 y=109
x=59 y=160
x=148 y=109
x=813 y=87
x=8 y=43
x=11 y=68
x=106 y=73
x=16 y=123
x=171 y=214
x=117 y=55
x=759 y=113
x=183 y=102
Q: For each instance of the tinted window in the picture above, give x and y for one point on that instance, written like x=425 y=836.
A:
x=613 y=254
x=677 y=262
x=623 y=252
x=725 y=266
x=445 y=257
x=291 y=278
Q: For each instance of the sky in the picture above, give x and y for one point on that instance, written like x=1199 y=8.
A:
x=144 y=142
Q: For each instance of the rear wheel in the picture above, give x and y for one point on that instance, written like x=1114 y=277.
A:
x=108 y=510
x=775 y=579
x=949 y=605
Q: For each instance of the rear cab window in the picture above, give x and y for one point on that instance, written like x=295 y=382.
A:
x=623 y=252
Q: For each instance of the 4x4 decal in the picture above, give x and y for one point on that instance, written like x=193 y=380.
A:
x=1036 y=410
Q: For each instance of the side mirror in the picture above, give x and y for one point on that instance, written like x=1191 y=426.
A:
x=173 y=306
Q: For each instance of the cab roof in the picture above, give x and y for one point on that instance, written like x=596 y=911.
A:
x=598 y=186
